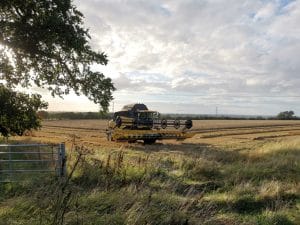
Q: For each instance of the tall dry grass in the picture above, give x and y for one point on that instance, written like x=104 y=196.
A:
x=196 y=185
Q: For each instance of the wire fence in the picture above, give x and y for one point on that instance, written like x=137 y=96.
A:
x=19 y=162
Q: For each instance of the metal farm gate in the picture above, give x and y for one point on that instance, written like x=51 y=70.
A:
x=19 y=162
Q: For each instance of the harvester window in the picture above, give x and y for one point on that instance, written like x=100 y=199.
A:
x=145 y=115
x=156 y=115
x=142 y=115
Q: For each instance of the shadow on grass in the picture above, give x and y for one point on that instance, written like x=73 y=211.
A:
x=207 y=151
x=229 y=165
x=248 y=204
x=211 y=168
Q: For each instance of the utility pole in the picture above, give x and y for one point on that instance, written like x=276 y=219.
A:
x=216 y=111
x=113 y=107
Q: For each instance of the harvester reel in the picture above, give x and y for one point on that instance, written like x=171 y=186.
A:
x=176 y=124
x=164 y=124
x=188 y=124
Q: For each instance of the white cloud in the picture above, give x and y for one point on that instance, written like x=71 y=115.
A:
x=266 y=12
x=210 y=47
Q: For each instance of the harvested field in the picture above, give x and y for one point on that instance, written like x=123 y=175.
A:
x=210 y=124
x=197 y=124
x=84 y=124
x=92 y=131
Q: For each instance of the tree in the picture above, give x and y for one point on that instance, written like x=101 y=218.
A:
x=43 y=114
x=286 y=115
x=43 y=42
x=18 y=112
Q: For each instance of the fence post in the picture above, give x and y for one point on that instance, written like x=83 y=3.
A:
x=62 y=160
x=10 y=163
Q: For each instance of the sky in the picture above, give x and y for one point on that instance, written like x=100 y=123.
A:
x=193 y=56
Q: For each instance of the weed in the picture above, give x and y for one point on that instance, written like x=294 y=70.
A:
x=273 y=219
x=201 y=170
x=198 y=185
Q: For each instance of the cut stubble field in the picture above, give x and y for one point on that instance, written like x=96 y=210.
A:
x=230 y=172
x=92 y=132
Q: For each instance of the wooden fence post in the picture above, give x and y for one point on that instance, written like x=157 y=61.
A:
x=10 y=163
x=62 y=160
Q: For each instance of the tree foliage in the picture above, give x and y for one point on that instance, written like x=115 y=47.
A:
x=286 y=115
x=43 y=42
x=18 y=112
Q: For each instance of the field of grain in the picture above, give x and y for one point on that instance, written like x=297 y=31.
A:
x=230 y=172
x=92 y=132
x=198 y=124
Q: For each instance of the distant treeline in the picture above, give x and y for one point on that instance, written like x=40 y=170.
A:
x=212 y=117
x=99 y=115
x=223 y=117
x=74 y=115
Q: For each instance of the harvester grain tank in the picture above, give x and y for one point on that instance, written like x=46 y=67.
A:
x=136 y=122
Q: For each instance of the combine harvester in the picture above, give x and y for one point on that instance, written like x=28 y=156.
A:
x=135 y=122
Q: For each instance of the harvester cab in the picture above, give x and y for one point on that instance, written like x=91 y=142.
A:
x=136 y=122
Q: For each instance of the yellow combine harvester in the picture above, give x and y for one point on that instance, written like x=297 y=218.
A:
x=135 y=122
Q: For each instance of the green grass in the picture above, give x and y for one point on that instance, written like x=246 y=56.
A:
x=197 y=185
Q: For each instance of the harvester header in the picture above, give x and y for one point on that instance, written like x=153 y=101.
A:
x=136 y=122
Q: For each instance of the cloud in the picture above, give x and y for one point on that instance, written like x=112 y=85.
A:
x=219 y=47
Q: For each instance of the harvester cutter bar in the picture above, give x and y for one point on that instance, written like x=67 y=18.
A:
x=149 y=134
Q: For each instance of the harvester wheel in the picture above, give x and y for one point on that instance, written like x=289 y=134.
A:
x=149 y=141
x=188 y=124
x=176 y=124
x=164 y=124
